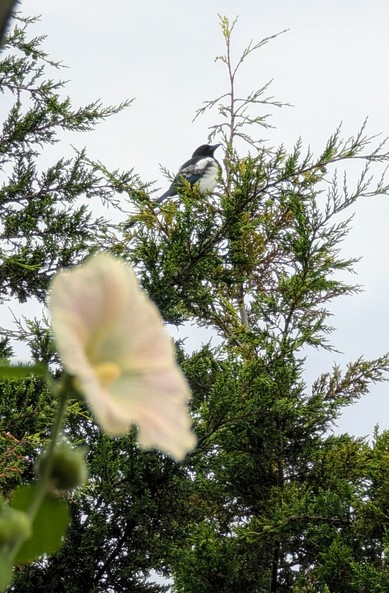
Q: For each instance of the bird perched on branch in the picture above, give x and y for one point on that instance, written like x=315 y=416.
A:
x=202 y=169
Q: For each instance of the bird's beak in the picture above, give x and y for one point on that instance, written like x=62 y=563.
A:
x=215 y=146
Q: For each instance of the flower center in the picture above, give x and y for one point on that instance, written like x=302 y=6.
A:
x=107 y=372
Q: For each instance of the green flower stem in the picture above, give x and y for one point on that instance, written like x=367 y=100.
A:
x=43 y=485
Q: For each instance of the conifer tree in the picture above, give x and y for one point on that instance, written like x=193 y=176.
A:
x=48 y=213
x=271 y=500
x=278 y=503
x=47 y=210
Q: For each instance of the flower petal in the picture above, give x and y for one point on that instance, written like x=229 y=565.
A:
x=156 y=405
x=111 y=337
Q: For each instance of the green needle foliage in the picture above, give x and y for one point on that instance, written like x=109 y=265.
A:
x=271 y=501
x=48 y=221
x=278 y=503
x=46 y=209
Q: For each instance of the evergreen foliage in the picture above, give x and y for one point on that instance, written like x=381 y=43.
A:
x=271 y=500
x=278 y=503
x=46 y=213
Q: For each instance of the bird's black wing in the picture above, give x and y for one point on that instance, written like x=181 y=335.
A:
x=193 y=170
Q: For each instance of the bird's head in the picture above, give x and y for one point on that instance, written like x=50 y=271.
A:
x=205 y=150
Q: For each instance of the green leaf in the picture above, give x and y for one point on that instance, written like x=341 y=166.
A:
x=21 y=371
x=5 y=571
x=49 y=526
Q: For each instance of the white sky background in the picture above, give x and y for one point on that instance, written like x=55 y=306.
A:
x=332 y=66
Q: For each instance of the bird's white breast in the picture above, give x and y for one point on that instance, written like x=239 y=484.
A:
x=207 y=183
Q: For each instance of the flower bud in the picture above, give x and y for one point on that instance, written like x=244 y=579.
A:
x=68 y=468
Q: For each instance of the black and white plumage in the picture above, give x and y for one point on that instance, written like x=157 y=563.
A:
x=202 y=169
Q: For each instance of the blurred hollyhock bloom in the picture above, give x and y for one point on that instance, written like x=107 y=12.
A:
x=110 y=337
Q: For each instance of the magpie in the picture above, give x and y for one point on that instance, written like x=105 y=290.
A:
x=202 y=169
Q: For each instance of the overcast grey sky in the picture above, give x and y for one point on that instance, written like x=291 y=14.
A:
x=332 y=65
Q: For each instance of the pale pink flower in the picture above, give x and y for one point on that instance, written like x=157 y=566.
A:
x=110 y=337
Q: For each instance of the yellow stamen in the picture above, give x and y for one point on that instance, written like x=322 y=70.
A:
x=107 y=372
